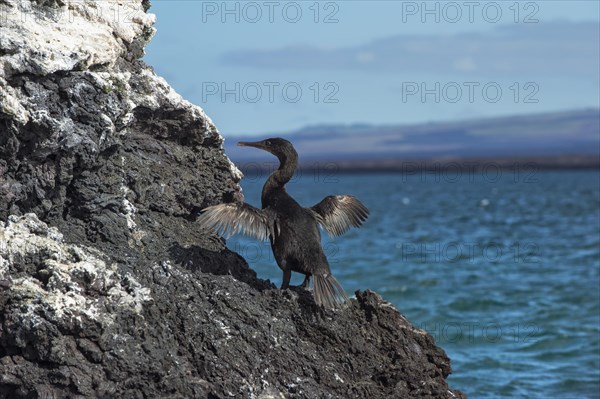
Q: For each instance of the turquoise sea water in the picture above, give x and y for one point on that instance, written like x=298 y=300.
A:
x=502 y=268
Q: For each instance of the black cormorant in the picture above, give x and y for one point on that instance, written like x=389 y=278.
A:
x=292 y=229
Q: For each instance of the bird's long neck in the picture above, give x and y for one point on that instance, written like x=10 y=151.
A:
x=287 y=166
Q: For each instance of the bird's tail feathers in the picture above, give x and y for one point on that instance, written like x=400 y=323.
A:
x=328 y=292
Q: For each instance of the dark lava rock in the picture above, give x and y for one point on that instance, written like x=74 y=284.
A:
x=108 y=288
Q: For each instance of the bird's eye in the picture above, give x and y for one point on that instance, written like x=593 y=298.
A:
x=268 y=142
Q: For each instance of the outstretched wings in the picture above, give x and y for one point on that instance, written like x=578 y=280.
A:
x=228 y=219
x=337 y=213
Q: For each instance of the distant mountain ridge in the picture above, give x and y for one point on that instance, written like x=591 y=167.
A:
x=565 y=138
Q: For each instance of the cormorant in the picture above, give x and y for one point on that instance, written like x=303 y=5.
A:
x=292 y=229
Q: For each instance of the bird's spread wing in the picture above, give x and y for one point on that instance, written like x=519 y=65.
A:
x=337 y=213
x=228 y=219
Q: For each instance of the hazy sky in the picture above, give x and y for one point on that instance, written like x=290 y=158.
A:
x=269 y=66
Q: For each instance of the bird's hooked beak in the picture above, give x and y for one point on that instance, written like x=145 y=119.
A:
x=256 y=144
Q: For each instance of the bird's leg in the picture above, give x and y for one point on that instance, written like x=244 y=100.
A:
x=287 y=274
x=306 y=282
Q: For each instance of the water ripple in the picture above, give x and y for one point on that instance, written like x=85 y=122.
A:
x=505 y=275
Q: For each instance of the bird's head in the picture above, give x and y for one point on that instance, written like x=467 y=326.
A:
x=281 y=148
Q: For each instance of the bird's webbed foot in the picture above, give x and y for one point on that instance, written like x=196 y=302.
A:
x=305 y=282
x=286 y=281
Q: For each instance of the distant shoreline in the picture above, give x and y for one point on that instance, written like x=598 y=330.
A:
x=408 y=166
x=557 y=140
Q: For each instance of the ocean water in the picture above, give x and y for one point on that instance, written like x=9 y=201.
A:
x=502 y=268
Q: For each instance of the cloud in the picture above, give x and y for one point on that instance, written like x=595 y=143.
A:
x=465 y=64
x=365 y=57
x=554 y=48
